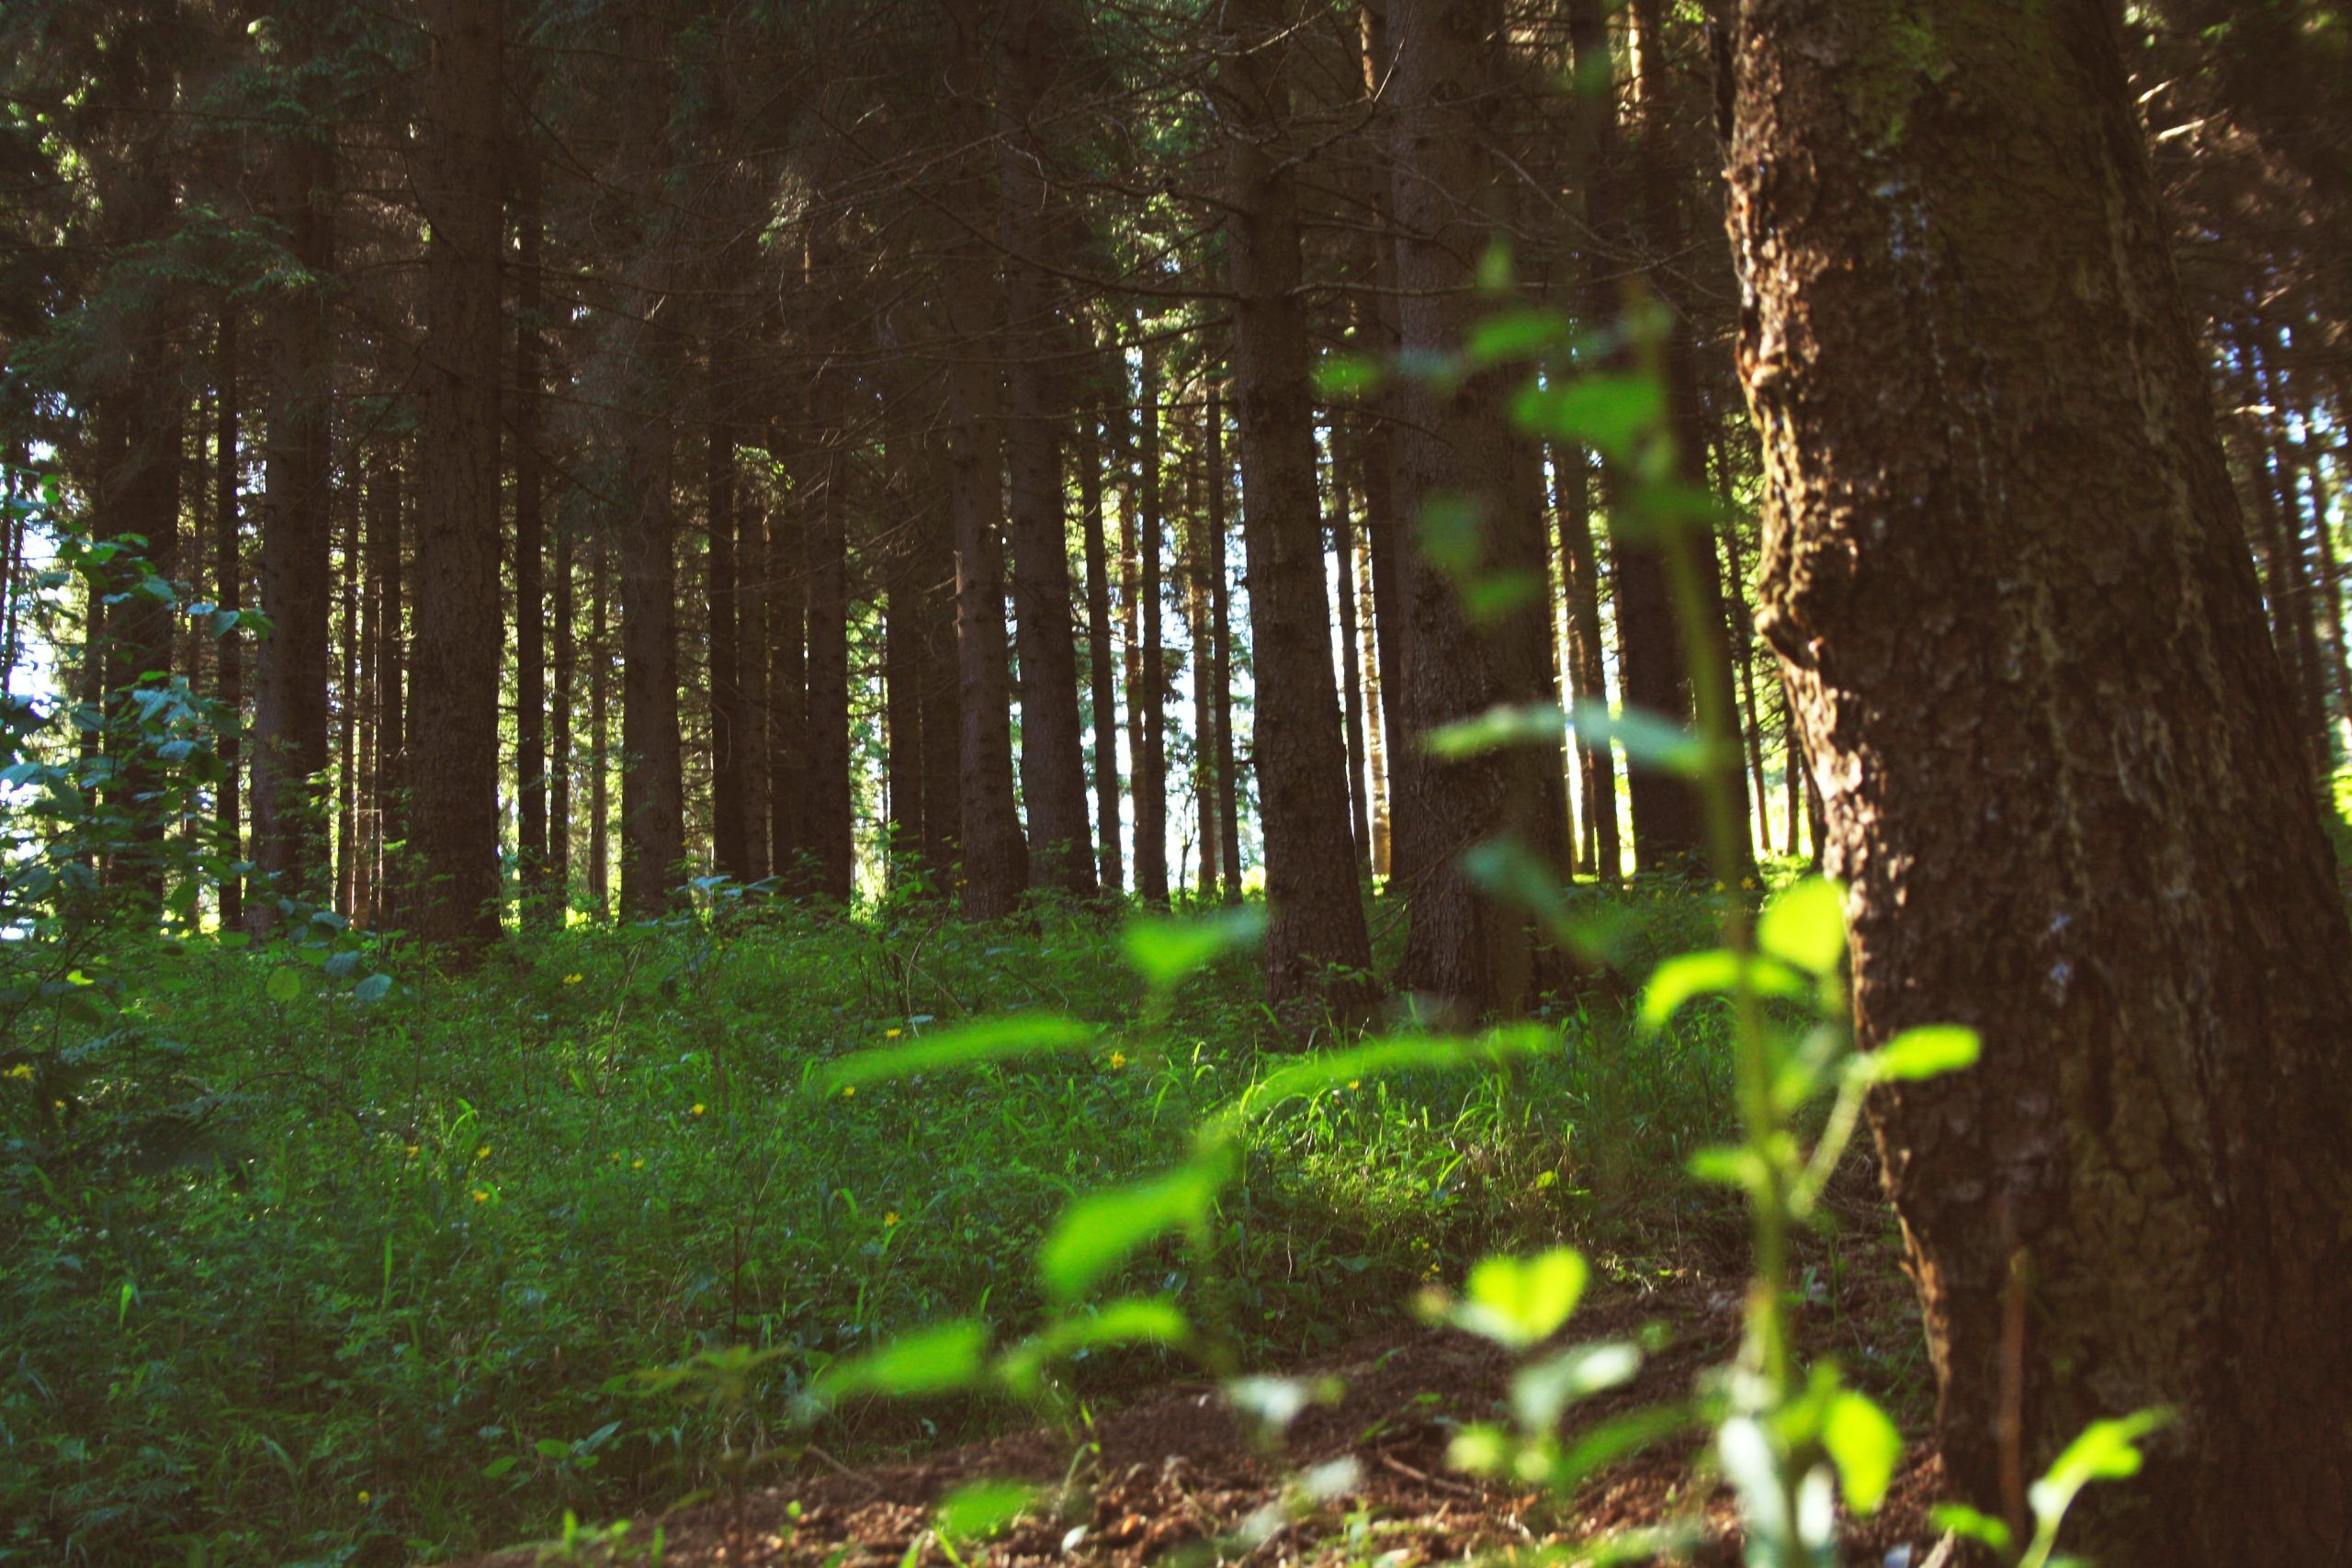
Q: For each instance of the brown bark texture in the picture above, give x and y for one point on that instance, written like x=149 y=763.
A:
x=2005 y=574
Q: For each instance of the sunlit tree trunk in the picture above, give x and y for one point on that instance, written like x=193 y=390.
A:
x=2005 y=572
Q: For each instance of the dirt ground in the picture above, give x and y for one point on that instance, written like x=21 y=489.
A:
x=1177 y=1479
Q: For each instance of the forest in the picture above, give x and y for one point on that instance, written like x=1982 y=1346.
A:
x=1371 y=782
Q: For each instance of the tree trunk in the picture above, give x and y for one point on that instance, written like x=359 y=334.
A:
x=1149 y=701
x=1102 y=669
x=730 y=821
x=832 y=819
x=600 y=685
x=384 y=569
x=561 y=761
x=1314 y=907
x=1228 y=783
x=2064 y=780
x=227 y=592
x=541 y=901
x=453 y=769
x=1343 y=550
x=1365 y=653
x=790 y=845
x=350 y=713
x=290 y=668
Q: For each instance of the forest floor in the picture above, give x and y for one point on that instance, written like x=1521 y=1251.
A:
x=1362 y=1476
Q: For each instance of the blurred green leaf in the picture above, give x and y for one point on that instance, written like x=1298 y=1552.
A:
x=1922 y=1054
x=966 y=1046
x=1610 y=413
x=1646 y=738
x=1164 y=951
x=285 y=985
x=930 y=1360
x=1526 y=724
x=1805 y=925
x=2107 y=1450
x=978 y=1509
x=1521 y=333
x=1345 y=375
x=1542 y=1391
x=1098 y=1231
x=1689 y=975
x=1519 y=1301
x=1864 y=1443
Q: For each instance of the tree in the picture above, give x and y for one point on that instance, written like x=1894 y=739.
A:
x=2006 y=578
x=1315 y=916
x=454 y=748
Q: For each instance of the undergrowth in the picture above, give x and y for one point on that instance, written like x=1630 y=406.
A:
x=382 y=1298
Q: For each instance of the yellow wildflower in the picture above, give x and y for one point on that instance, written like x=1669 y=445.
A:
x=365 y=1499
x=571 y=980
x=412 y=1151
x=697 y=1109
x=637 y=1164
x=481 y=1195
x=849 y=1092
x=892 y=1033
x=1118 y=1060
x=21 y=1070
x=482 y=1152
x=890 y=1219
x=616 y=1156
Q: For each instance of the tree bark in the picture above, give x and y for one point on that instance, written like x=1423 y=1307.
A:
x=730 y=820
x=1228 y=783
x=533 y=857
x=1149 y=701
x=1315 y=942
x=290 y=667
x=453 y=771
x=227 y=592
x=2063 y=771
x=1102 y=667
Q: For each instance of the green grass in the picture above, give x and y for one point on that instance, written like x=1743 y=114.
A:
x=387 y=1308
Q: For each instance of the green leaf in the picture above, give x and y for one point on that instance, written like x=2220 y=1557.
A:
x=1864 y=1444
x=1805 y=925
x=1519 y=1301
x=1518 y=334
x=1646 y=738
x=967 y=1045
x=1130 y=1320
x=978 y=1509
x=1312 y=1075
x=1610 y=413
x=553 y=1447
x=1346 y=375
x=1962 y=1520
x=2107 y=1450
x=285 y=984
x=1528 y=724
x=1165 y=950
x=1542 y=1391
x=1099 y=1231
x=930 y=1360
x=1922 y=1054
x=1689 y=975
x=498 y=1467
x=374 y=988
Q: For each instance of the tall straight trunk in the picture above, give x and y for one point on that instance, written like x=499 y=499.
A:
x=1343 y=550
x=653 y=837
x=1197 y=571
x=1123 y=459
x=2064 y=779
x=1053 y=764
x=1315 y=942
x=943 y=710
x=1793 y=780
x=453 y=774
x=903 y=678
x=387 y=593
x=350 y=713
x=2308 y=667
x=560 y=760
x=832 y=821
x=11 y=632
x=1598 y=760
x=227 y=592
x=1151 y=702
x=790 y=843
x=730 y=820
x=1365 y=653
x=752 y=594
x=600 y=681
x=139 y=496
x=1101 y=676
x=533 y=852
x=1465 y=952
x=289 y=736
x=2331 y=586
x=1229 y=781
x=1741 y=629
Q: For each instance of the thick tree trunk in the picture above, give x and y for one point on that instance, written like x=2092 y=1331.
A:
x=790 y=846
x=943 y=703
x=290 y=668
x=1316 y=940
x=2005 y=571
x=653 y=837
x=1463 y=951
x=386 y=587
x=453 y=771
